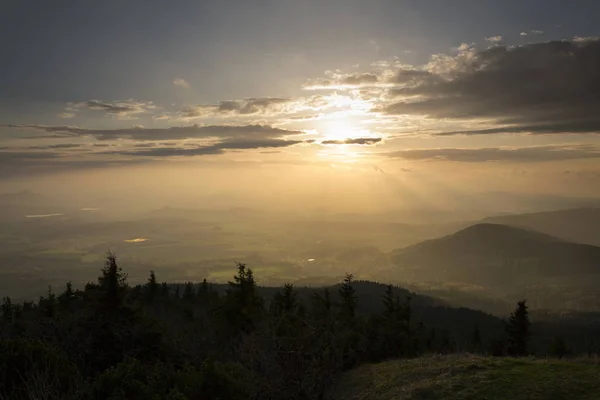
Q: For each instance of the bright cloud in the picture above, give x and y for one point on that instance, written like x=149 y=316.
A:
x=182 y=83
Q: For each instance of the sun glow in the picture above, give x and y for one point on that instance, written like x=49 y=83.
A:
x=338 y=129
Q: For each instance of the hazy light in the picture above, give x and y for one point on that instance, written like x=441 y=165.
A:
x=136 y=240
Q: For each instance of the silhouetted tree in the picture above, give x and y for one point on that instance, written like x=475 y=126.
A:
x=113 y=284
x=152 y=288
x=164 y=290
x=66 y=298
x=188 y=292
x=348 y=298
x=244 y=305
x=7 y=309
x=518 y=329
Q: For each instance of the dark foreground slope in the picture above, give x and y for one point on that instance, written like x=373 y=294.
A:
x=471 y=377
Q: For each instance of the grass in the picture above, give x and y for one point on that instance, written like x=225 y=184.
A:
x=471 y=377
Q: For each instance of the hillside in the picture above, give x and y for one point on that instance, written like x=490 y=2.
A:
x=496 y=256
x=581 y=225
x=470 y=377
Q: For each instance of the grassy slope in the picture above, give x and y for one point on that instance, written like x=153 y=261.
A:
x=470 y=377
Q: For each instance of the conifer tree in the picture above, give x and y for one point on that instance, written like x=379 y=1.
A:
x=188 y=292
x=7 y=309
x=518 y=329
x=244 y=305
x=164 y=290
x=152 y=288
x=65 y=298
x=113 y=283
x=349 y=300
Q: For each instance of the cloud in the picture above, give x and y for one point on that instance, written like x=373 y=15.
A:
x=523 y=33
x=56 y=146
x=494 y=39
x=182 y=83
x=338 y=79
x=537 y=32
x=23 y=163
x=550 y=87
x=521 y=155
x=217 y=148
x=250 y=106
x=65 y=115
x=171 y=133
x=583 y=39
x=359 y=141
x=121 y=108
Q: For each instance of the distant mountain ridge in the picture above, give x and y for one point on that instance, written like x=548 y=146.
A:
x=581 y=225
x=496 y=255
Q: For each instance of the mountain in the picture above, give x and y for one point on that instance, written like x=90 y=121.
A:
x=498 y=257
x=581 y=225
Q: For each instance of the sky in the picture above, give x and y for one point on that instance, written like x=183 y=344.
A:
x=368 y=104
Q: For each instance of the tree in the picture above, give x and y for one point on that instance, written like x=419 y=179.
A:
x=244 y=305
x=48 y=305
x=518 y=330
x=113 y=283
x=284 y=302
x=164 y=290
x=7 y=309
x=66 y=297
x=349 y=299
x=394 y=329
x=188 y=292
x=152 y=288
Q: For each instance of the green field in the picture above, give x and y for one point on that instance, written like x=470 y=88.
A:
x=471 y=377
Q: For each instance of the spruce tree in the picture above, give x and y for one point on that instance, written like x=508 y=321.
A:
x=152 y=288
x=518 y=329
x=348 y=297
x=65 y=299
x=113 y=284
x=244 y=305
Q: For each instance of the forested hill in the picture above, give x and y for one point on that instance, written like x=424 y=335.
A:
x=111 y=340
x=580 y=225
x=497 y=256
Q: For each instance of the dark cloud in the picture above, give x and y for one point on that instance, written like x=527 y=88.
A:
x=14 y=164
x=120 y=107
x=174 y=133
x=361 y=141
x=56 y=146
x=217 y=148
x=523 y=154
x=250 y=106
x=546 y=87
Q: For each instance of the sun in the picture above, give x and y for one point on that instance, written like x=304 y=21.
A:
x=337 y=129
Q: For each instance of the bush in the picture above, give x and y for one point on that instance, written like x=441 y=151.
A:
x=133 y=380
x=31 y=368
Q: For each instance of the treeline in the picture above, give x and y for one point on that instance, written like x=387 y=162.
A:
x=192 y=341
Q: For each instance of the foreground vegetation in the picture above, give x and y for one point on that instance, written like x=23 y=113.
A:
x=471 y=377
x=158 y=341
